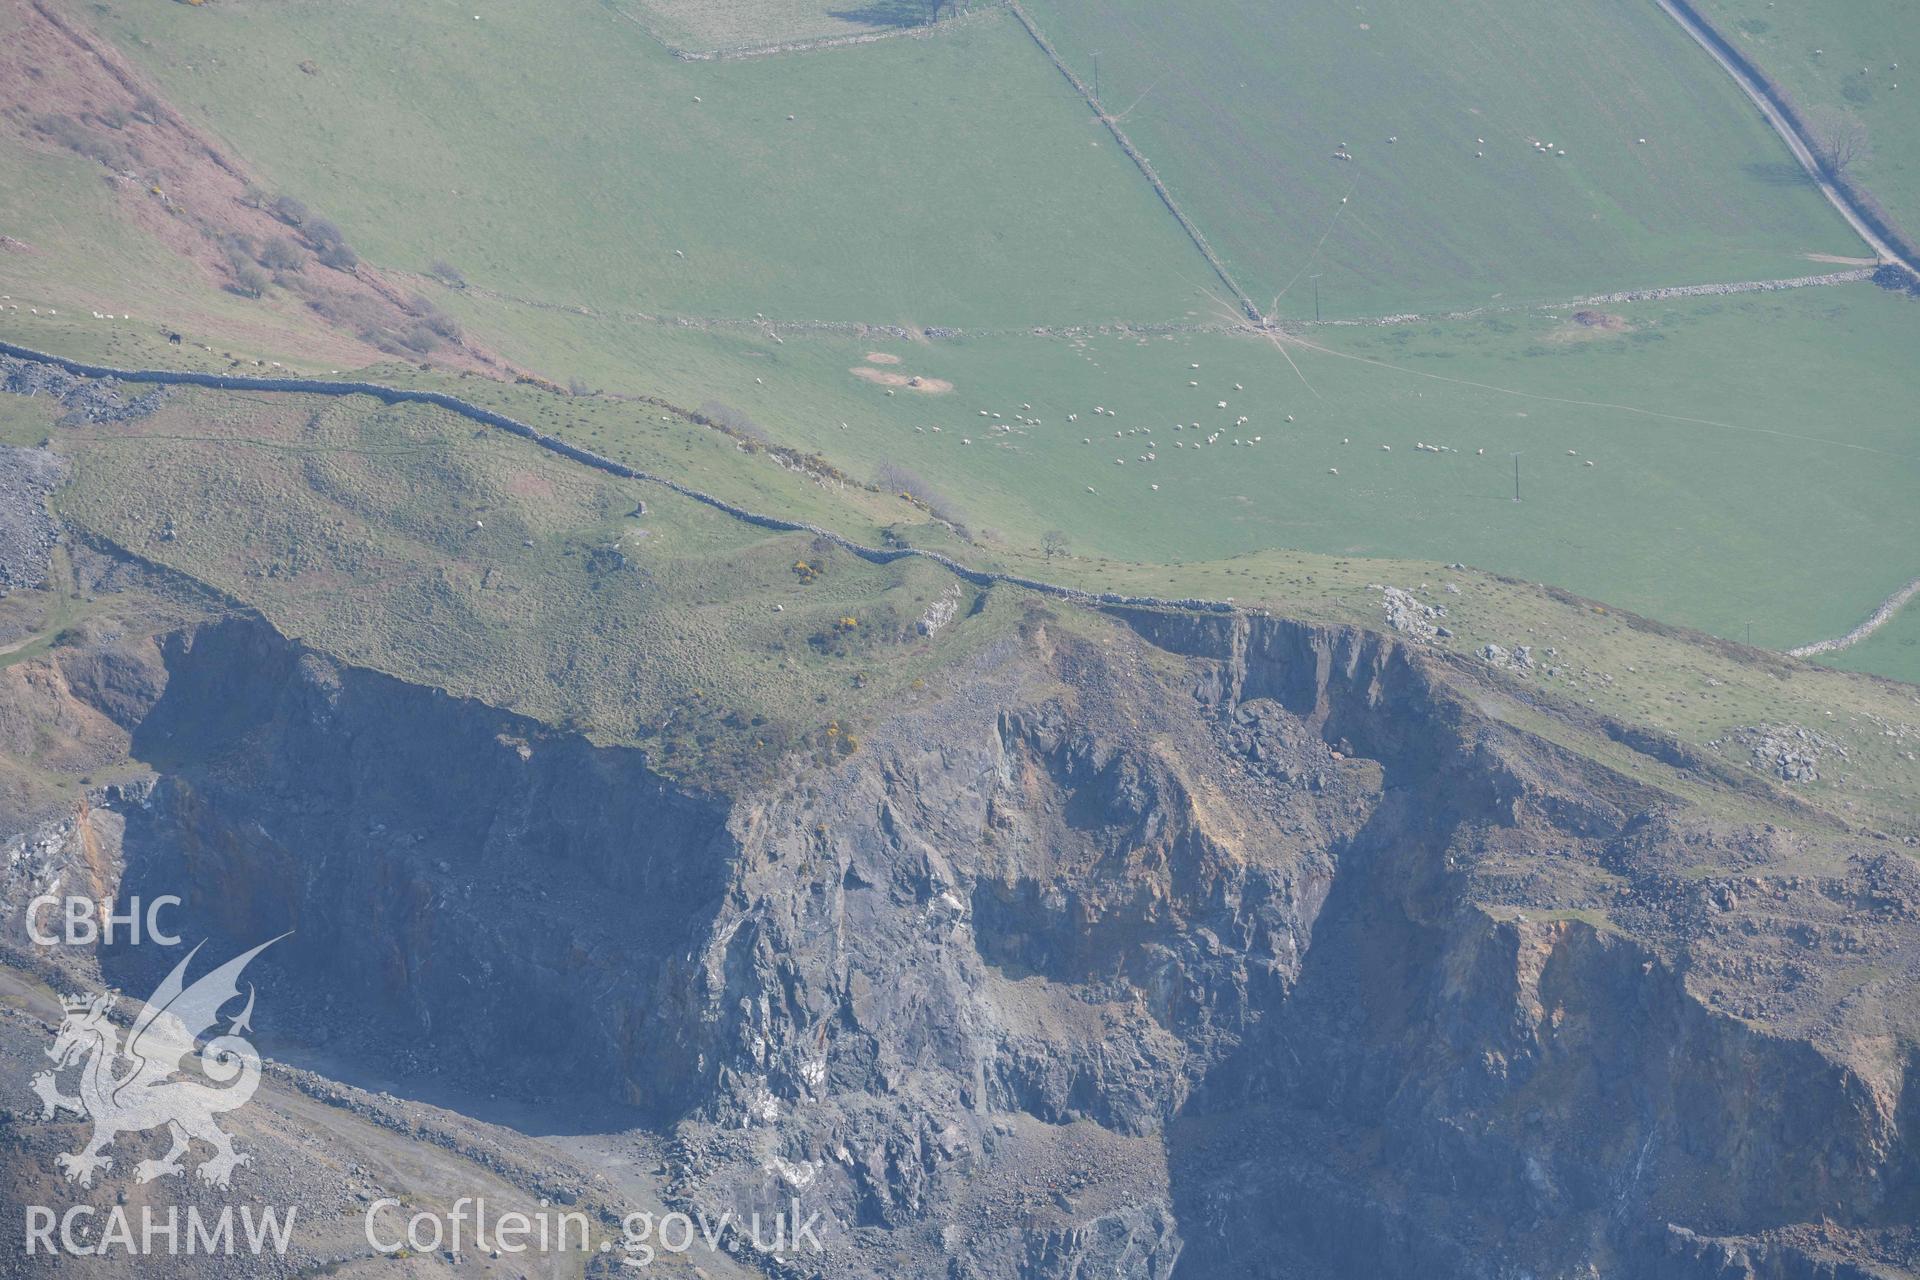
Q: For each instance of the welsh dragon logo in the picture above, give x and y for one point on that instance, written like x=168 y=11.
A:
x=148 y=1091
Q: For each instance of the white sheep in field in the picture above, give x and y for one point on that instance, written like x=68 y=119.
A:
x=1333 y=471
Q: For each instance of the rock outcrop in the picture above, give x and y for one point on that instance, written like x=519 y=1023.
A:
x=1156 y=944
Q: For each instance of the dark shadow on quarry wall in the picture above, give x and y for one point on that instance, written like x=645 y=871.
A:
x=470 y=893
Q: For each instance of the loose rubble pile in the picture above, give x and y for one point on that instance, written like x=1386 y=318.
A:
x=1791 y=752
x=89 y=399
x=27 y=528
x=941 y=611
x=1409 y=615
x=1518 y=658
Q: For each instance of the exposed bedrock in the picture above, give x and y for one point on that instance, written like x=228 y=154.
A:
x=1151 y=946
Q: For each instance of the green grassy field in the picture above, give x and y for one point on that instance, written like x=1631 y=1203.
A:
x=558 y=154
x=1858 y=43
x=73 y=250
x=707 y=25
x=398 y=539
x=1241 y=107
x=1893 y=650
x=1730 y=486
x=1756 y=457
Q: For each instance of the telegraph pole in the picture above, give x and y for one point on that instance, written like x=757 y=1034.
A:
x=1316 y=296
x=1516 y=477
x=1096 y=77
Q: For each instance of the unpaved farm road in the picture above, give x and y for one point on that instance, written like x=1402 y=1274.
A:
x=1801 y=147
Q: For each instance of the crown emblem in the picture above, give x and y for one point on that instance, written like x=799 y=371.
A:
x=76 y=1004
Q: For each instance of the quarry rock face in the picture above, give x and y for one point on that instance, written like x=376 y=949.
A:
x=1156 y=945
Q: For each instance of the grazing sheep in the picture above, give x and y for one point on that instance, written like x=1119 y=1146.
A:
x=1333 y=471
